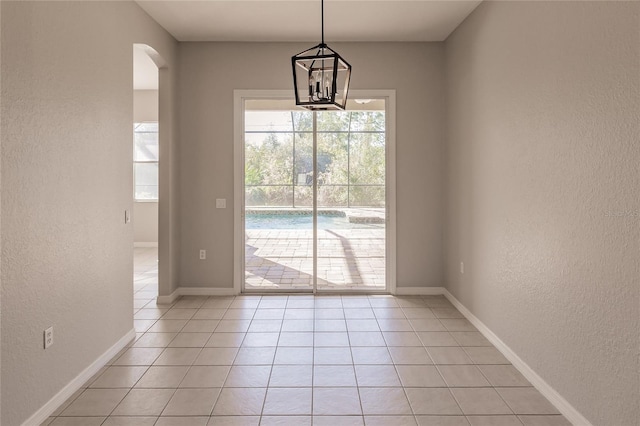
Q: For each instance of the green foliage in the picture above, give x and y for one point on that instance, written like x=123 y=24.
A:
x=350 y=161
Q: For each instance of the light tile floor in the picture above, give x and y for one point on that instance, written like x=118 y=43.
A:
x=145 y=275
x=303 y=360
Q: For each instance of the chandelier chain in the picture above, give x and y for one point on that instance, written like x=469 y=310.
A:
x=322 y=19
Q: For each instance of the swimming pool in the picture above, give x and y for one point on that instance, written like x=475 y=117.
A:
x=302 y=221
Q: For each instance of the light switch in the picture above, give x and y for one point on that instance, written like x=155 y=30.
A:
x=221 y=203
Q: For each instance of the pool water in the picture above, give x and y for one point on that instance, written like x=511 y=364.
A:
x=298 y=221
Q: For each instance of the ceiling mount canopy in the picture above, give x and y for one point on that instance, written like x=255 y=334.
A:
x=321 y=77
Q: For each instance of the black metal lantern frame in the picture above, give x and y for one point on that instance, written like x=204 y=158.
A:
x=318 y=72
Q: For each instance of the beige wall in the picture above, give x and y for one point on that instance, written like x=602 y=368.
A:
x=145 y=105
x=543 y=189
x=169 y=227
x=145 y=222
x=67 y=116
x=145 y=214
x=209 y=72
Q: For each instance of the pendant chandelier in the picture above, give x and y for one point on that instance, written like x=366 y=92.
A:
x=321 y=77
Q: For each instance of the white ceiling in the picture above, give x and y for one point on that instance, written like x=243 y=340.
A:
x=299 y=20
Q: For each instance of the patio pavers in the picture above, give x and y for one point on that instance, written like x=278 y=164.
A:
x=283 y=259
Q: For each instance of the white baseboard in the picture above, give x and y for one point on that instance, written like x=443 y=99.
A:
x=195 y=291
x=169 y=299
x=148 y=244
x=229 y=291
x=561 y=404
x=65 y=393
x=419 y=291
x=206 y=291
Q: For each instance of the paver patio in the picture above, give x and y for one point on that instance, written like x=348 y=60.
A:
x=283 y=259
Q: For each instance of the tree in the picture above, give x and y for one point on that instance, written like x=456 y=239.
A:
x=350 y=160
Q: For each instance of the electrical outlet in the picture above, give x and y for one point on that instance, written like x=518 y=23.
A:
x=48 y=337
x=462 y=267
x=221 y=203
x=203 y=254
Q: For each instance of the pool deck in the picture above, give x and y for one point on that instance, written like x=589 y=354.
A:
x=353 y=215
x=352 y=259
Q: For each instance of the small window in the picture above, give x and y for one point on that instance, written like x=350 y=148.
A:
x=145 y=161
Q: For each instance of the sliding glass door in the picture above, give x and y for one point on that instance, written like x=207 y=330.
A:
x=314 y=213
x=278 y=198
x=351 y=200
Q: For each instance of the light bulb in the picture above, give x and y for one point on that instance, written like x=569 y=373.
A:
x=314 y=85
x=328 y=86
x=312 y=81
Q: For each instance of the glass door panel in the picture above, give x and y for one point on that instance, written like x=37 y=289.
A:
x=303 y=171
x=351 y=201
x=278 y=221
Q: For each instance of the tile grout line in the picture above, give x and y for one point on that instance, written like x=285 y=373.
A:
x=213 y=406
x=404 y=388
x=275 y=354
x=355 y=373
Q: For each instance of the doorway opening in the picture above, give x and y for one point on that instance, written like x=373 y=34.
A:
x=316 y=197
x=146 y=149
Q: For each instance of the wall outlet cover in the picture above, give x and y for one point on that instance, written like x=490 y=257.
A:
x=48 y=337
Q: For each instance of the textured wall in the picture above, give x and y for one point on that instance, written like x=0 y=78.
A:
x=67 y=116
x=209 y=72
x=145 y=222
x=543 y=189
x=145 y=105
x=169 y=180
